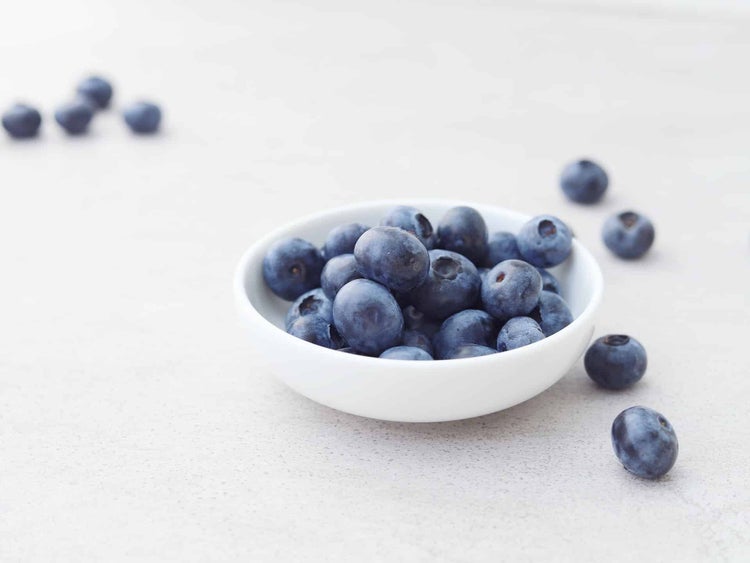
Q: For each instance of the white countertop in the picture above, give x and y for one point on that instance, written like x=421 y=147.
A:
x=136 y=421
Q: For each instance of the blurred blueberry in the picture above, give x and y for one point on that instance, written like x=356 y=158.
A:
x=97 y=90
x=511 y=289
x=628 y=234
x=392 y=257
x=549 y=282
x=501 y=246
x=75 y=116
x=22 y=121
x=644 y=442
x=545 y=241
x=292 y=267
x=341 y=239
x=338 y=272
x=552 y=313
x=584 y=181
x=142 y=117
x=518 y=332
x=316 y=330
x=467 y=327
x=463 y=230
x=470 y=351
x=411 y=219
x=418 y=340
x=615 y=361
x=405 y=353
x=416 y=320
x=314 y=302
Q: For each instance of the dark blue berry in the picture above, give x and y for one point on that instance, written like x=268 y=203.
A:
x=644 y=442
x=341 y=239
x=97 y=90
x=405 y=353
x=545 y=241
x=584 y=181
x=615 y=361
x=549 y=282
x=316 y=330
x=292 y=267
x=501 y=246
x=463 y=230
x=367 y=316
x=22 y=121
x=470 y=351
x=392 y=257
x=511 y=289
x=416 y=320
x=75 y=116
x=314 y=302
x=628 y=234
x=452 y=285
x=142 y=117
x=552 y=313
x=518 y=332
x=418 y=340
x=411 y=219
x=467 y=327
x=338 y=272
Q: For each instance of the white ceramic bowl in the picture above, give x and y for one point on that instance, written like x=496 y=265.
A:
x=406 y=390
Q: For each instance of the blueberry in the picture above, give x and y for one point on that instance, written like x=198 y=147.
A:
x=467 y=327
x=482 y=272
x=552 y=313
x=501 y=246
x=142 y=117
x=316 y=330
x=292 y=267
x=628 y=234
x=463 y=230
x=644 y=442
x=392 y=257
x=452 y=285
x=545 y=241
x=97 y=90
x=75 y=116
x=470 y=351
x=615 y=361
x=584 y=181
x=417 y=339
x=341 y=239
x=517 y=332
x=314 y=302
x=549 y=282
x=511 y=289
x=412 y=220
x=367 y=316
x=22 y=121
x=416 y=320
x=405 y=353
x=338 y=272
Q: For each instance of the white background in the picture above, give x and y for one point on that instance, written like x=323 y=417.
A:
x=137 y=423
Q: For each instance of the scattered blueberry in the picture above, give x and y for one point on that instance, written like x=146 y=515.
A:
x=392 y=257
x=405 y=353
x=316 y=330
x=584 y=181
x=467 y=327
x=416 y=320
x=22 y=121
x=75 y=116
x=418 y=340
x=552 y=313
x=615 y=361
x=628 y=234
x=501 y=246
x=314 y=302
x=511 y=289
x=338 y=272
x=341 y=239
x=470 y=351
x=545 y=241
x=518 y=332
x=367 y=316
x=292 y=267
x=452 y=285
x=464 y=231
x=142 y=117
x=549 y=282
x=644 y=442
x=411 y=219
x=97 y=90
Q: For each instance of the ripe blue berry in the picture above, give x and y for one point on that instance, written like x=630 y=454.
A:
x=418 y=340
x=341 y=239
x=452 y=285
x=644 y=442
x=292 y=267
x=142 y=117
x=501 y=246
x=405 y=353
x=392 y=257
x=22 y=121
x=552 y=313
x=518 y=332
x=584 y=181
x=367 y=316
x=411 y=219
x=615 y=361
x=314 y=302
x=511 y=289
x=75 y=116
x=470 y=351
x=628 y=234
x=544 y=241
x=97 y=90
x=549 y=282
x=464 y=231
x=316 y=330
x=338 y=272
x=467 y=327
x=416 y=320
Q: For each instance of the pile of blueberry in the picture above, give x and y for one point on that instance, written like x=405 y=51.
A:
x=23 y=121
x=403 y=290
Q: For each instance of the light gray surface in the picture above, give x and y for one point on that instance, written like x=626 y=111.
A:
x=137 y=424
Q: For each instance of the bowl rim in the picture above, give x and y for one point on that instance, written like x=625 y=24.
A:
x=246 y=307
